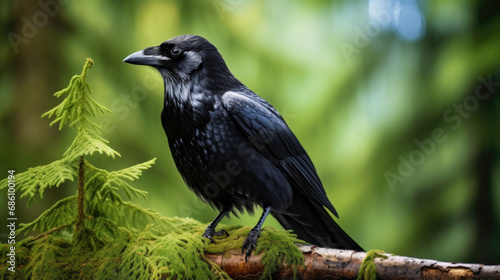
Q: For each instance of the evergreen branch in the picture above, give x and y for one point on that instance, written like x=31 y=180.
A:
x=133 y=172
x=88 y=64
x=104 y=184
x=130 y=173
x=114 y=182
x=42 y=262
x=88 y=142
x=108 y=216
x=151 y=256
x=178 y=255
x=62 y=212
x=138 y=217
x=107 y=229
x=78 y=105
x=36 y=179
x=77 y=109
x=62 y=114
x=49 y=232
x=96 y=190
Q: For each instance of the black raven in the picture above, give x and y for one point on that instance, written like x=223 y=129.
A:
x=233 y=149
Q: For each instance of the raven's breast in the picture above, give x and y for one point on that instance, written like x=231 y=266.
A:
x=221 y=165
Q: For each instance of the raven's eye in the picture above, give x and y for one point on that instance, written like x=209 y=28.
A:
x=175 y=51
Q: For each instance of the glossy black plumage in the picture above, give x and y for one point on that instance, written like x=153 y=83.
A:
x=233 y=149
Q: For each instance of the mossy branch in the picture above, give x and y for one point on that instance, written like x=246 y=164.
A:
x=324 y=263
x=368 y=271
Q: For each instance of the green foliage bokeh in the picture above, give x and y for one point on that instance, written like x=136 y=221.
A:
x=359 y=113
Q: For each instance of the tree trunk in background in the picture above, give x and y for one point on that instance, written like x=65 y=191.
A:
x=486 y=157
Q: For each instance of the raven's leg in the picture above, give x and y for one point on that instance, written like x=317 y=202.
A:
x=251 y=241
x=210 y=230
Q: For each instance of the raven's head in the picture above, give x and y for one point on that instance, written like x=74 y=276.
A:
x=183 y=58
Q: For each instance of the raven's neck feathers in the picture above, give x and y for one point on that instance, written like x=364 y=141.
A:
x=187 y=107
x=190 y=99
x=216 y=75
x=177 y=93
x=195 y=95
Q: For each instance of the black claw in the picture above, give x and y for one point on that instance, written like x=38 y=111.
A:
x=210 y=231
x=221 y=233
x=250 y=243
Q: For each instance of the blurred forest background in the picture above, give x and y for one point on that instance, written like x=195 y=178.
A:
x=396 y=102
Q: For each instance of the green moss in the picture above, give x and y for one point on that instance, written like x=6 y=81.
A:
x=277 y=247
x=226 y=244
x=368 y=271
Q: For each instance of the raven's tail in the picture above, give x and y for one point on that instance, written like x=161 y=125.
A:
x=313 y=224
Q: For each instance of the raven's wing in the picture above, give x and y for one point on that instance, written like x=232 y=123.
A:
x=271 y=136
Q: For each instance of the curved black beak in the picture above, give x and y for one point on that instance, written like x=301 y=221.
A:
x=140 y=58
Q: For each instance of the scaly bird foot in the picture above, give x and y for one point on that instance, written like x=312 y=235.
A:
x=210 y=232
x=251 y=242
